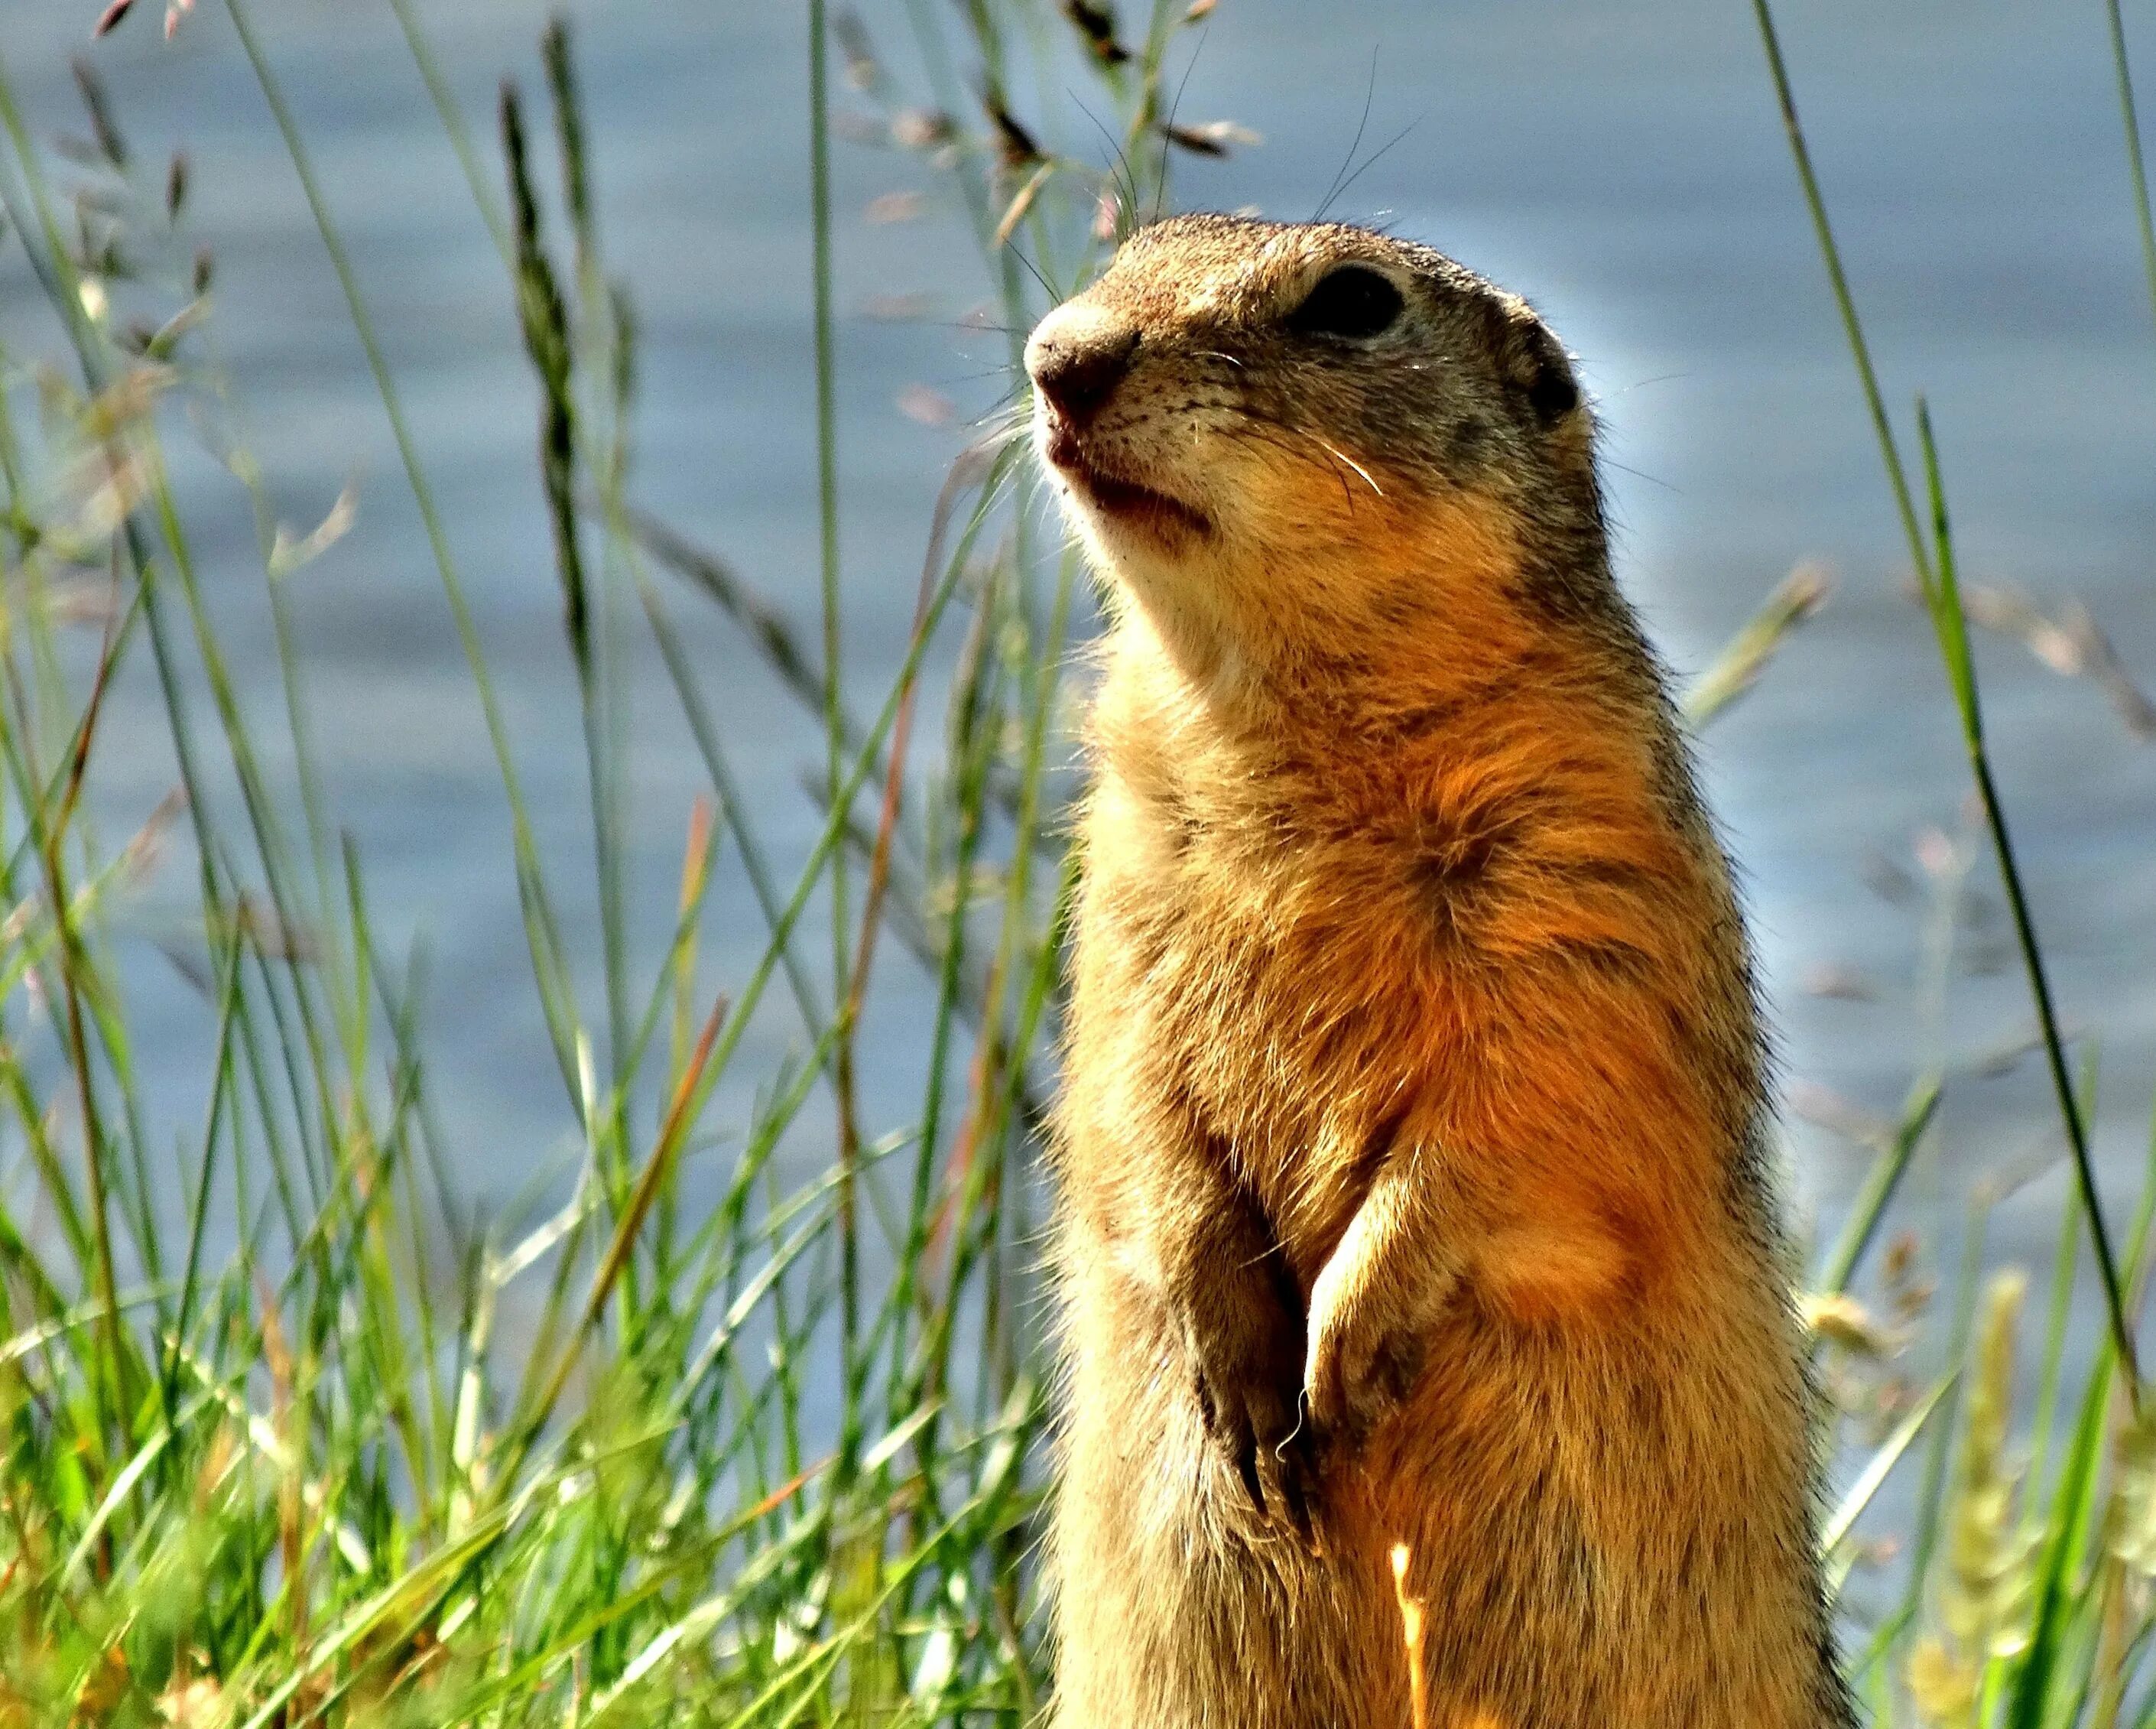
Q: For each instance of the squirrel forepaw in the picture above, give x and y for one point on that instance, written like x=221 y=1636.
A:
x=1356 y=1376
x=1249 y=1398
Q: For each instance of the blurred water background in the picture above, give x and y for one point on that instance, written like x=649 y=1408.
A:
x=1622 y=164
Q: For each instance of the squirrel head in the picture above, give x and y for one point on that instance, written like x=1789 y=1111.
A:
x=1287 y=444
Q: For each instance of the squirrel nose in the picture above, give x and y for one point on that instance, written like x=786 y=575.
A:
x=1077 y=355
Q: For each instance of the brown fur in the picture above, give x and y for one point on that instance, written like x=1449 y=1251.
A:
x=1408 y=1153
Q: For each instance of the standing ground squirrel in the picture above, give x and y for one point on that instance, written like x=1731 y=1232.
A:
x=1414 y=1212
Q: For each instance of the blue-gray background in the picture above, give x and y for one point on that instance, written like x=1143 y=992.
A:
x=1622 y=165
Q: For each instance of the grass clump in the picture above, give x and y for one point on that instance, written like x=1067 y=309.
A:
x=293 y=1439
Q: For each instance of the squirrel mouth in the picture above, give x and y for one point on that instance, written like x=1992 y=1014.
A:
x=1112 y=495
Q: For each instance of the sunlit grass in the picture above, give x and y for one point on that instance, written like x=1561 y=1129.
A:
x=288 y=1439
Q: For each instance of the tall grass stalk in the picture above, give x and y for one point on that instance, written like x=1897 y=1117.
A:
x=2130 y=121
x=1935 y=572
x=572 y=1465
x=827 y=537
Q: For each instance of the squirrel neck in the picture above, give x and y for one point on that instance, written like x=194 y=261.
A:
x=1532 y=654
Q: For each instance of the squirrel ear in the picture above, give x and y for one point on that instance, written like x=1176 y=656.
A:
x=1553 y=394
x=1552 y=391
x=1537 y=363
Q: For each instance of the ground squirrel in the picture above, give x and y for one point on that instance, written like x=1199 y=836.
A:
x=1413 y=1204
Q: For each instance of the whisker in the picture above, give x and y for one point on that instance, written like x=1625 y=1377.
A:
x=1009 y=412
x=1351 y=463
x=1032 y=270
x=1006 y=407
x=1369 y=96
x=1160 y=195
x=1126 y=183
x=1652 y=479
x=1333 y=456
x=1376 y=156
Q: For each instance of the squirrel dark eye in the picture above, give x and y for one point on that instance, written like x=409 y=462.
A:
x=1350 y=301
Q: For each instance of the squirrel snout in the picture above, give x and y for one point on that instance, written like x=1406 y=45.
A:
x=1076 y=356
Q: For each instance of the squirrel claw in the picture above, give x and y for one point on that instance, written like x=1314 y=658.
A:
x=1291 y=1484
x=1261 y=1430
